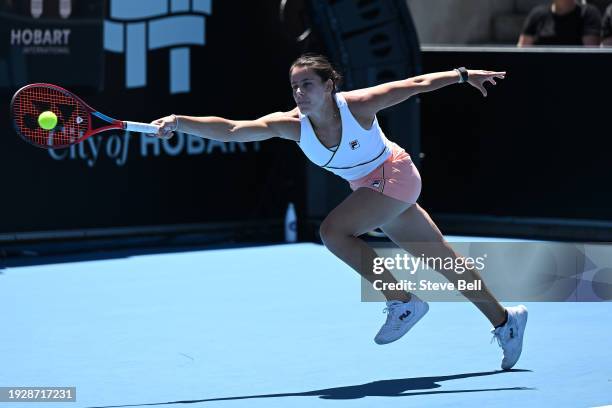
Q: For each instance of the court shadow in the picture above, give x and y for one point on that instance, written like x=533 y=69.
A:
x=383 y=388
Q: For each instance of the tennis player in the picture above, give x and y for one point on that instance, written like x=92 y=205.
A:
x=339 y=132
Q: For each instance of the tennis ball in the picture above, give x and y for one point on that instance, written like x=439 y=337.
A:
x=47 y=120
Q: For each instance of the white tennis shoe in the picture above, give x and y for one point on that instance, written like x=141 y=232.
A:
x=510 y=335
x=400 y=318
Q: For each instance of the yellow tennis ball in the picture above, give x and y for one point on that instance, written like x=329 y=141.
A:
x=47 y=120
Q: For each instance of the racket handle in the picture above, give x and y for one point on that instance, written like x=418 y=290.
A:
x=140 y=127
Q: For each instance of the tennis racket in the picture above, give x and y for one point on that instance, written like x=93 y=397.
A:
x=74 y=120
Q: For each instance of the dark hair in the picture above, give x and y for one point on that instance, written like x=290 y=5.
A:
x=321 y=66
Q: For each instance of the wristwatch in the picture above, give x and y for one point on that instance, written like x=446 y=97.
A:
x=463 y=74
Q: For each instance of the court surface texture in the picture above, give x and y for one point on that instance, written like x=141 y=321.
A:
x=276 y=326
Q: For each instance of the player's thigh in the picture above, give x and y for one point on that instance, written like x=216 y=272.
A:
x=414 y=231
x=363 y=210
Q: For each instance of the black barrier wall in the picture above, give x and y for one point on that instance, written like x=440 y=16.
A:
x=219 y=58
x=533 y=158
x=40 y=39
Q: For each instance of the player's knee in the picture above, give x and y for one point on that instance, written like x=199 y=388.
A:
x=331 y=232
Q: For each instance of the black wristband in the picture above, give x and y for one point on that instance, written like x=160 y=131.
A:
x=463 y=73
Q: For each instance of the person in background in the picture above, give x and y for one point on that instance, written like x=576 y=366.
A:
x=606 y=28
x=563 y=22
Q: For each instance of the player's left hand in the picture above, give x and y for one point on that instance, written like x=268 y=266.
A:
x=478 y=78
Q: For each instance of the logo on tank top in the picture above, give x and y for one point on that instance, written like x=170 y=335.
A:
x=354 y=144
x=376 y=183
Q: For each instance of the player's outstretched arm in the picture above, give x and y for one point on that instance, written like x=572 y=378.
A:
x=382 y=96
x=278 y=124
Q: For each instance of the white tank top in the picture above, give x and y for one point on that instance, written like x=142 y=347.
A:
x=360 y=151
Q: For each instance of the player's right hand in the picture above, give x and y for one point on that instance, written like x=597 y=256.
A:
x=167 y=126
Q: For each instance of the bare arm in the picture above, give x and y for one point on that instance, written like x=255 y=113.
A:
x=525 y=40
x=225 y=130
x=376 y=98
x=278 y=124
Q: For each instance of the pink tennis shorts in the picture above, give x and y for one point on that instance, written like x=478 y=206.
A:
x=397 y=177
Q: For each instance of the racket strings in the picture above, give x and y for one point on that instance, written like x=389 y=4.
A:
x=73 y=119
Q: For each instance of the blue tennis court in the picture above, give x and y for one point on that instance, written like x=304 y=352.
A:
x=172 y=169
x=276 y=326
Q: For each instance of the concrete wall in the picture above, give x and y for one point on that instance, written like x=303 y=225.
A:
x=463 y=21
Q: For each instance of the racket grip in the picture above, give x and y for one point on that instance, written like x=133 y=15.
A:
x=140 y=127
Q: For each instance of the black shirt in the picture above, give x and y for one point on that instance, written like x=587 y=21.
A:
x=548 y=28
x=606 y=25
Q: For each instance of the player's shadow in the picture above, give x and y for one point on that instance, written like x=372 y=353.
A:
x=383 y=388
